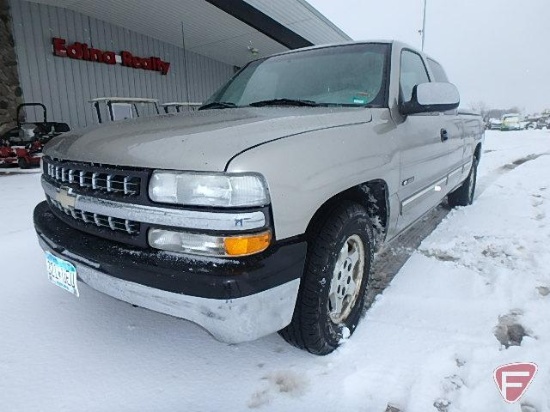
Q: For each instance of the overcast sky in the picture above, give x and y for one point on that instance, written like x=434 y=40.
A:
x=495 y=51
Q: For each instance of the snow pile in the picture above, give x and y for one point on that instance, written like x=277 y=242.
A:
x=501 y=245
x=478 y=287
x=476 y=295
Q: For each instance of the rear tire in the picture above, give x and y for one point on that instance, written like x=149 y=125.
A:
x=333 y=286
x=464 y=195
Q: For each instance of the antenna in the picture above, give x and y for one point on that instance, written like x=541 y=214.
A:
x=424 y=25
x=185 y=64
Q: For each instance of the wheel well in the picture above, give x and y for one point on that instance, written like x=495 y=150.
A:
x=477 y=152
x=372 y=195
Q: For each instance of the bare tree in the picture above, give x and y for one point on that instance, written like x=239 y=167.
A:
x=481 y=108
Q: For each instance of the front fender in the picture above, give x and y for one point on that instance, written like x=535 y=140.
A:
x=304 y=171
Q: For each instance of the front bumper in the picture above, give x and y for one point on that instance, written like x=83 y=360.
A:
x=235 y=300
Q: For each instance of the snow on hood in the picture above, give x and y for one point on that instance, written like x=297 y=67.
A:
x=202 y=141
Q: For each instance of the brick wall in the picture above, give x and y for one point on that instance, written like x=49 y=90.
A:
x=10 y=90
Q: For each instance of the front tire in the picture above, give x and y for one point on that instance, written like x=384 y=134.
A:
x=335 y=279
x=464 y=195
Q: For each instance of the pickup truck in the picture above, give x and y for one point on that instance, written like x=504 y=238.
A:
x=261 y=212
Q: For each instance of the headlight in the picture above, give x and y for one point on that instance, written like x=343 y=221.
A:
x=207 y=245
x=201 y=189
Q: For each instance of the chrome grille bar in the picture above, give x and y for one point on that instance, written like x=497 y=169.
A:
x=112 y=224
x=172 y=217
x=126 y=185
x=121 y=184
x=115 y=224
x=94 y=180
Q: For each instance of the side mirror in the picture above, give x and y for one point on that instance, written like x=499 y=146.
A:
x=431 y=97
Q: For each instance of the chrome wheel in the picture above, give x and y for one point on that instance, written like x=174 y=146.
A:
x=346 y=279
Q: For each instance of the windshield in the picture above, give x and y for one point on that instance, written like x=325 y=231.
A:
x=353 y=75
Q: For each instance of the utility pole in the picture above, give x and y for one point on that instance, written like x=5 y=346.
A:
x=424 y=26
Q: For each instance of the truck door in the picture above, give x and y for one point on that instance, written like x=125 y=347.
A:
x=425 y=149
x=453 y=126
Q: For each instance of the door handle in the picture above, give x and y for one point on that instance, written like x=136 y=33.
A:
x=444 y=135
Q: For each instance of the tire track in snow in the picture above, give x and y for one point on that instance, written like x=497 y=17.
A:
x=493 y=176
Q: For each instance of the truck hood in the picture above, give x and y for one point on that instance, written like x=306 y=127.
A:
x=203 y=141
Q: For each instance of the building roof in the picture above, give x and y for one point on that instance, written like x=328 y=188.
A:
x=233 y=32
x=302 y=18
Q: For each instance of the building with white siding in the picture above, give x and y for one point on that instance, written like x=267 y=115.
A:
x=71 y=51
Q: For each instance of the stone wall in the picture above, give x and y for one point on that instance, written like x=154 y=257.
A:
x=10 y=89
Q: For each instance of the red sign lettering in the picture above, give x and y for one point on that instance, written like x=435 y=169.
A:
x=81 y=51
x=109 y=58
x=59 y=47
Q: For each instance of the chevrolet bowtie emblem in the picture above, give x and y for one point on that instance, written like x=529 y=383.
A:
x=66 y=198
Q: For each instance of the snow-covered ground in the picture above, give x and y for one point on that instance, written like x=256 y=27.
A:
x=428 y=340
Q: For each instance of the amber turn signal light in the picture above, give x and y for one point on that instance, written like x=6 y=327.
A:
x=247 y=245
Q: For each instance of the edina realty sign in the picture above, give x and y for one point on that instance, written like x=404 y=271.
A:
x=81 y=51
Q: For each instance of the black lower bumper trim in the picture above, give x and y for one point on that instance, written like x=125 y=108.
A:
x=184 y=274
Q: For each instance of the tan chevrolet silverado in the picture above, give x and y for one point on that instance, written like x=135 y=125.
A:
x=261 y=211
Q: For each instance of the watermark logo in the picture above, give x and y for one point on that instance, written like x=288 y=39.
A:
x=514 y=379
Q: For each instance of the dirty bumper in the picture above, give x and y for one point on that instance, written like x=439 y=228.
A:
x=235 y=301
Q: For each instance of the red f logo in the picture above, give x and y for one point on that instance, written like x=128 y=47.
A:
x=514 y=379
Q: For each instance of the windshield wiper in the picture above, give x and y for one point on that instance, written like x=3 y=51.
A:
x=284 y=102
x=218 y=105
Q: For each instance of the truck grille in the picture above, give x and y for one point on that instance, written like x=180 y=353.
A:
x=111 y=181
x=93 y=180
x=101 y=221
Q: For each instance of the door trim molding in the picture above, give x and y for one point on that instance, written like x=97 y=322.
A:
x=436 y=186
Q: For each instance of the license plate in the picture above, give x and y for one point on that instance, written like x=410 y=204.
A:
x=62 y=273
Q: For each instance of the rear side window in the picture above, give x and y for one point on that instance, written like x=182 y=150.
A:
x=413 y=72
x=438 y=71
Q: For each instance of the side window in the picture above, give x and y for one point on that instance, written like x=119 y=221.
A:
x=413 y=72
x=438 y=71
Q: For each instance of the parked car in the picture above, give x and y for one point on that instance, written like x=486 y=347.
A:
x=543 y=123
x=494 y=124
x=510 y=121
x=261 y=211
